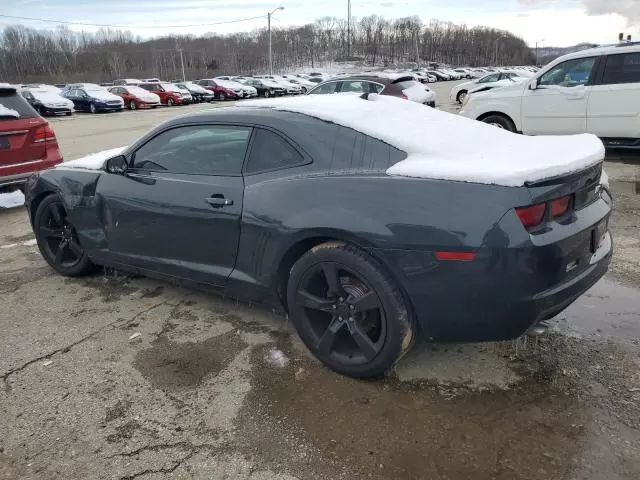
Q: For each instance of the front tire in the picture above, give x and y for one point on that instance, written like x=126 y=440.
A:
x=170 y=102
x=132 y=105
x=348 y=311
x=461 y=96
x=58 y=240
x=501 y=122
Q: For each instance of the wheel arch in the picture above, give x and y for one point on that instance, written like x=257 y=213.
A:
x=302 y=244
x=500 y=114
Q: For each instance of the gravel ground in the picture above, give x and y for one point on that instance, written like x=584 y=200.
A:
x=120 y=377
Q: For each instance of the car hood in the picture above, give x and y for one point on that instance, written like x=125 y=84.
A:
x=100 y=95
x=49 y=98
x=487 y=155
x=95 y=161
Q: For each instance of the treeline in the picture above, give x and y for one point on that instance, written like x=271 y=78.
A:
x=62 y=55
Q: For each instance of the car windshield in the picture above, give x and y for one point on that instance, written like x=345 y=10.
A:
x=171 y=87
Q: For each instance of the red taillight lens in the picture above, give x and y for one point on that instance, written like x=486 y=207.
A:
x=404 y=97
x=43 y=133
x=531 y=216
x=560 y=206
x=456 y=256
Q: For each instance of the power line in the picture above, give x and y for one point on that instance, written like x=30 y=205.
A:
x=63 y=22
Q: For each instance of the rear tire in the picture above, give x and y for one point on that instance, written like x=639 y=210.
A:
x=58 y=241
x=222 y=96
x=266 y=94
x=500 y=121
x=170 y=102
x=348 y=311
x=92 y=108
x=461 y=96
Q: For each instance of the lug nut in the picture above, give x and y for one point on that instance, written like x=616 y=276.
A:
x=334 y=306
x=351 y=307
x=341 y=299
x=340 y=318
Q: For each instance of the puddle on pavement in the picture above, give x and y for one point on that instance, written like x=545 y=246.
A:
x=626 y=187
x=387 y=429
x=172 y=366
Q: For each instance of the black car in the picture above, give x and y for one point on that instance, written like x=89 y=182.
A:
x=198 y=93
x=47 y=102
x=299 y=213
x=265 y=89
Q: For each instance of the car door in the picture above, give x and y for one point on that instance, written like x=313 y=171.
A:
x=613 y=110
x=558 y=104
x=73 y=96
x=177 y=209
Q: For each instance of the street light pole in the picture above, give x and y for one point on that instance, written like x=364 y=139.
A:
x=538 y=41
x=269 y=27
x=184 y=78
x=498 y=44
x=348 y=29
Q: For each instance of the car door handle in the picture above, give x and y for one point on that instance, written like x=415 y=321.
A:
x=218 y=201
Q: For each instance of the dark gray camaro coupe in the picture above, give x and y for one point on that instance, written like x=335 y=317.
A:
x=299 y=209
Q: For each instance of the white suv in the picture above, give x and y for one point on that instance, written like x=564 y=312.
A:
x=593 y=91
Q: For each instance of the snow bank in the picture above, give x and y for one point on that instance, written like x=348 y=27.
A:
x=95 y=161
x=446 y=146
x=12 y=199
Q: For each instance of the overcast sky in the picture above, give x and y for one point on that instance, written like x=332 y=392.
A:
x=556 y=22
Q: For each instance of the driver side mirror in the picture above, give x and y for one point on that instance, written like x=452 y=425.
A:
x=117 y=165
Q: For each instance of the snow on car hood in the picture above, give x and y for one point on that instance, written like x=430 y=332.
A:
x=8 y=112
x=95 y=161
x=103 y=95
x=445 y=146
x=48 y=97
x=230 y=84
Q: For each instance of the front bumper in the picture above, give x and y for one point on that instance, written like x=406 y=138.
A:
x=56 y=110
x=109 y=108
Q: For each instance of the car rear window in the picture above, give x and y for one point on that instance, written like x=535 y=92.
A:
x=11 y=100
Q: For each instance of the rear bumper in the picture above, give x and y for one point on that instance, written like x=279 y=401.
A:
x=17 y=175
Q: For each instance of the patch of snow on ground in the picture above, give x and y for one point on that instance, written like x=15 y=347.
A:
x=276 y=358
x=446 y=146
x=95 y=161
x=11 y=200
x=28 y=243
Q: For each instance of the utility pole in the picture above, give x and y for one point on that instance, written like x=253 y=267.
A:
x=538 y=41
x=269 y=27
x=184 y=78
x=498 y=44
x=348 y=29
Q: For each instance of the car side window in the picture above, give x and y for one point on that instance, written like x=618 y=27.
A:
x=357 y=86
x=490 y=78
x=375 y=87
x=571 y=73
x=195 y=150
x=269 y=151
x=622 y=68
x=324 y=89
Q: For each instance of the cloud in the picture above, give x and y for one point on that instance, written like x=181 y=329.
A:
x=629 y=9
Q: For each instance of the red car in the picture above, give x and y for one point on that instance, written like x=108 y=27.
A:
x=222 y=89
x=135 y=97
x=169 y=93
x=27 y=142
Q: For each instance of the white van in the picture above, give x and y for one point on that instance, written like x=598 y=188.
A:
x=594 y=91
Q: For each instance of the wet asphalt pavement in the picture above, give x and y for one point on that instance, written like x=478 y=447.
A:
x=216 y=389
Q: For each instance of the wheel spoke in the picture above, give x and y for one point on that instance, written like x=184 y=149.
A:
x=332 y=277
x=308 y=300
x=369 y=349
x=75 y=248
x=63 y=244
x=49 y=232
x=368 y=301
x=325 y=344
x=56 y=213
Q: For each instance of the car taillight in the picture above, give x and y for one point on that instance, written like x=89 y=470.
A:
x=44 y=133
x=560 y=206
x=404 y=97
x=531 y=216
x=456 y=256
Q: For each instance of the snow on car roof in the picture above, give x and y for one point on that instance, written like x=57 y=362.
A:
x=446 y=146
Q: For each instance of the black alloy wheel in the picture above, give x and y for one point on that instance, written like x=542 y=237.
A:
x=58 y=240
x=347 y=311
